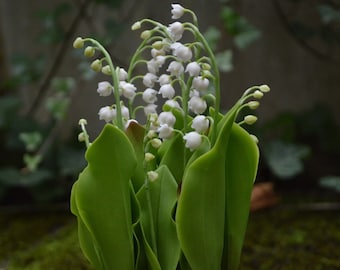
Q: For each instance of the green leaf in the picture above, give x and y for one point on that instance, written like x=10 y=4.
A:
x=201 y=204
x=240 y=171
x=173 y=156
x=157 y=202
x=101 y=200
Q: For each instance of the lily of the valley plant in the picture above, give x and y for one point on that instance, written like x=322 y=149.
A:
x=170 y=190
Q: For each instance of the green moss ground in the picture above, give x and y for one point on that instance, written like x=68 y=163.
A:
x=278 y=238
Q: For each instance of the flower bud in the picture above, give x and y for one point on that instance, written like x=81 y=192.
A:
x=106 y=70
x=255 y=139
x=81 y=137
x=149 y=157
x=78 y=43
x=253 y=104
x=82 y=121
x=123 y=75
x=250 y=119
x=152 y=175
x=145 y=34
x=158 y=45
x=258 y=94
x=136 y=26
x=89 y=51
x=96 y=65
x=264 y=88
x=156 y=143
x=206 y=66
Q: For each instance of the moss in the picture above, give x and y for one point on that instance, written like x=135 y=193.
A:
x=279 y=238
x=290 y=239
x=40 y=241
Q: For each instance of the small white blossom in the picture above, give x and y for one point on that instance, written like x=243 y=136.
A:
x=167 y=118
x=149 y=95
x=150 y=109
x=107 y=113
x=123 y=75
x=165 y=132
x=193 y=69
x=176 y=30
x=125 y=112
x=194 y=93
x=152 y=66
x=175 y=68
x=193 y=140
x=200 y=83
x=136 y=26
x=197 y=105
x=200 y=123
x=167 y=91
x=128 y=89
x=164 y=79
x=177 y=11
x=104 y=89
x=149 y=79
x=181 y=51
x=172 y=104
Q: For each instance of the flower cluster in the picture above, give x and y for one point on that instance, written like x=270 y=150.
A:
x=183 y=74
x=181 y=173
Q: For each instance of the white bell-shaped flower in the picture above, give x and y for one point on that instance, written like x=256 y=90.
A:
x=128 y=90
x=107 y=114
x=123 y=75
x=167 y=118
x=149 y=79
x=181 y=51
x=172 y=104
x=104 y=89
x=193 y=140
x=150 y=109
x=164 y=79
x=177 y=11
x=193 y=69
x=200 y=123
x=197 y=105
x=150 y=95
x=165 y=131
x=175 y=68
x=176 y=30
x=167 y=91
x=200 y=83
x=125 y=112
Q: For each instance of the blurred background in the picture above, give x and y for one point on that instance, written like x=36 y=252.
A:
x=46 y=87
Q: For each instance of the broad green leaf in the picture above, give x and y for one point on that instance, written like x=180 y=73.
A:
x=173 y=156
x=201 y=204
x=157 y=201
x=240 y=171
x=101 y=200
